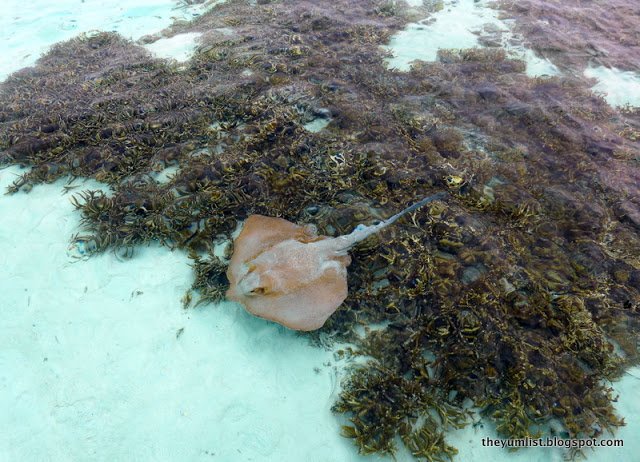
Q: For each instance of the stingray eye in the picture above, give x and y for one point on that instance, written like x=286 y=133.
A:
x=377 y=222
x=259 y=291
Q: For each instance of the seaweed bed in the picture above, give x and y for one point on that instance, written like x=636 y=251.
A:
x=519 y=294
x=578 y=32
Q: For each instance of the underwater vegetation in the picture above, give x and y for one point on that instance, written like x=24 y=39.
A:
x=599 y=34
x=520 y=294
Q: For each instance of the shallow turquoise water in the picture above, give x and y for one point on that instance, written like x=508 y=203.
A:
x=99 y=361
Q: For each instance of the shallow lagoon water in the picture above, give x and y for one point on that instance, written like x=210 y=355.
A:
x=28 y=29
x=618 y=87
x=457 y=25
x=100 y=361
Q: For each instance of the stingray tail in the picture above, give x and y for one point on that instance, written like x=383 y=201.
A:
x=344 y=243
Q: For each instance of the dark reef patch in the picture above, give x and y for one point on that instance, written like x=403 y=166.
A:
x=512 y=295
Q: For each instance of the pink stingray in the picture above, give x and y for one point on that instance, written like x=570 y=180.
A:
x=286 y=273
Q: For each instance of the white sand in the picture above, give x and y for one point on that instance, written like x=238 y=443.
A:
x=29 y=28
x=92 y=366
x=619 y=88
x=456 y=26
x=317 y=124
x=450 y=27
x=179 y=47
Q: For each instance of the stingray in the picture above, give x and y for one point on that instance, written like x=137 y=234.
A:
x=288 y=274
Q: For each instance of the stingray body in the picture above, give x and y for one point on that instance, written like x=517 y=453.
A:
x=286 y=273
